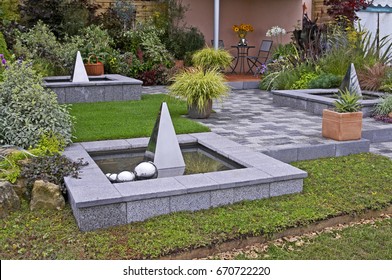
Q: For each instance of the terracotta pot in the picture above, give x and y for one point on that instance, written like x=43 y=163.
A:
x=194 y=113
x=94 y=69
x=390 y=115
x=342 y=126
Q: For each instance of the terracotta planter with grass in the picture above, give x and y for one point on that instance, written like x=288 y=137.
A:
x=342 y=126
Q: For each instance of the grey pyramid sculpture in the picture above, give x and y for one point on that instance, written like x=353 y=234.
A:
x=350 y=81
x=163 y=148
x=79 y=74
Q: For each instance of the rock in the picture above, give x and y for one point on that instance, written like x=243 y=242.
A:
x=113 y=177
x=9 y=200
x=46 y=195
x=20 y=188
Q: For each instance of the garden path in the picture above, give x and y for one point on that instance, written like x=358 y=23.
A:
x=250 y=118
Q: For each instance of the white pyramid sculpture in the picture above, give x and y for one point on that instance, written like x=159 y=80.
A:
x=79 y=74
x=350 y=81
x=163 y=148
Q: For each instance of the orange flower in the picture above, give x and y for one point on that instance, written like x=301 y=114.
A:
x=242 y=29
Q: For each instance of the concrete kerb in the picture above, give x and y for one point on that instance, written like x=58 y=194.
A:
x=93 y=191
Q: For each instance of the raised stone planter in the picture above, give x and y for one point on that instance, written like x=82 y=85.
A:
x=308 y=100
x=97 y=203
x=110 y=87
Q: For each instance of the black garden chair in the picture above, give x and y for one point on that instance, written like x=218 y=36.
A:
x=262 y=56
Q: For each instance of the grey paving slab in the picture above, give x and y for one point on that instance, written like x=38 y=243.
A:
x=106 y=145
x=197 y=183
x=239 y=177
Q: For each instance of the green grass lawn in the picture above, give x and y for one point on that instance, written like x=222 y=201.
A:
x=335 y=186
x=128 y=119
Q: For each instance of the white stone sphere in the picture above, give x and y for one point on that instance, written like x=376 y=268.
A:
x=126 y=176
x=146 y=170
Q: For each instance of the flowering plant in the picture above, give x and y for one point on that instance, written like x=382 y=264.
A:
x=242 y=29
x=276 y=31
x=3 y=60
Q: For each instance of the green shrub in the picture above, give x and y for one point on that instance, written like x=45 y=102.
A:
x=304 y=81
x=3 y=47
x=181 y=41
x=28 y=110
x=209 y=58
x=9 y=10
x=384 y=106
x=326 y=80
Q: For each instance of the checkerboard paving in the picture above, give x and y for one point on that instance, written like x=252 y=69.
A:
x=250 y=118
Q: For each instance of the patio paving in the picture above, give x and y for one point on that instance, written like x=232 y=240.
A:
x=250 y=118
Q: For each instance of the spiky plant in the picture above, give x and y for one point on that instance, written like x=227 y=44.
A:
x=347 y=102
x=384 y=106
x=371 y=78
x=209 y=58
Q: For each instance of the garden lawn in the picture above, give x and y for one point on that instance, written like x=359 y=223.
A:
x=335 y=186
x=369 y=241
x=128 y=119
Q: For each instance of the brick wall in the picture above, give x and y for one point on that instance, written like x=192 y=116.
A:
x=320 y=10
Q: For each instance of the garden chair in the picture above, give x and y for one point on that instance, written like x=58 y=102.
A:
x=261 y=58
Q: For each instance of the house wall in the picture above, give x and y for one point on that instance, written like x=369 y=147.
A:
x=262 y=14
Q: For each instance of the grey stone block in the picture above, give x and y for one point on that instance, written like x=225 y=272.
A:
x=87 y=196
x=316 y=151
x=352 y=147
x=104 y=216
x=186 y=139
x=285 y=155
x=222 y=197
x=378 y=135
x=84 y=94
x=144 y=209
x=286 y=187
x=236 y=85
x=107 y=145
x=197 y=183
x=251 y=84
x=190 y=202
x=160 y=187
x=61 y=93
x=138 y=142
x=132 y=92
x=239 y=177
x=251 y=192
x=113 y=93
x=282 y=171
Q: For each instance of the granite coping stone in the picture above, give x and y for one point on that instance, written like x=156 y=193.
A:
x=111 y=79
x=239 y=177
x=106 y=145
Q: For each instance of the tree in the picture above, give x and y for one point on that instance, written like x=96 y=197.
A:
x=346 y=8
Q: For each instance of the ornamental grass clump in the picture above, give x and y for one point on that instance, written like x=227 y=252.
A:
x=384 y=106
x=209 y=58
x=198 y=86
x=28 y=110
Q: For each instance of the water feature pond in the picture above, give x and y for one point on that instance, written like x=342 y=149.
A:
x=198 y=159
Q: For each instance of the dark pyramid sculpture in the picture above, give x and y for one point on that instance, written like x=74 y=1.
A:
x=350 y=81
x=79 y=74
x=163 y=148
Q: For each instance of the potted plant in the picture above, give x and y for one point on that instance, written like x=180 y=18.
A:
x=345 y=121
x=199 y=87
x=94 y=67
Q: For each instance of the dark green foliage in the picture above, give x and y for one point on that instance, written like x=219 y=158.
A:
x=51 y=169
x=181 y=41
x=63 y=17
x=326 y=80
